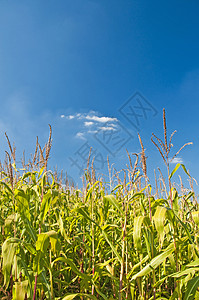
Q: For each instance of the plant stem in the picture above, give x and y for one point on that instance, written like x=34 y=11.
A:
x=35 y=287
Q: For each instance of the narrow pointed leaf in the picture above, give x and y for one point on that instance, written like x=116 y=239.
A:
x=192 y=286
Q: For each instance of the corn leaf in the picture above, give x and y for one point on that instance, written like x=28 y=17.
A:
x=155 y=262
x=192 y=286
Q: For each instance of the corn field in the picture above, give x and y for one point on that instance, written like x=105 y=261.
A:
x=130 y=242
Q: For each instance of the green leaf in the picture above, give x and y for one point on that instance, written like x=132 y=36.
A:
x=45 y=205
x=137 y=231
x=197 y=295
x=30 y=248
x=111 y=199
x=53 y=240
x=192 y=286
x=31 y=231
x=72 y=296
x=8 y=252
x=82 y=211
x=20 y=289
x=6 y=186
x=185 y=272
x=185 y=228
x=73 y=267
x=194 y=263
x=26 y=175
x=43 y=240
x=159 y=219
x=155 y=262
x=176 y=168
x=137 y=265
x=195 y=215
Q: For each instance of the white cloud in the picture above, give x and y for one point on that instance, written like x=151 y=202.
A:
x=107 y=128
x=94 y=121
x=176 y=160
x=100 y=119
x=71 y=117
x=88 y=123
x=91 y=117
x=80 y=135
x=92 y=131
x=113 y=125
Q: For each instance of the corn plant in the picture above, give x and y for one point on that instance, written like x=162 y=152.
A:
x=59 y=242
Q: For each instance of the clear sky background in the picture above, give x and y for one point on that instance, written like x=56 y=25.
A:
x=75 y=64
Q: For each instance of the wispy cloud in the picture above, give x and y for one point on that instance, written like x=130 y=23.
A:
x=92 y=131
x=93 y=120
x=176 y=160
x=80 y=135
x=108 y=128
x=71 y=117
x=100 y=119
x=91 y=116
x=88 y=124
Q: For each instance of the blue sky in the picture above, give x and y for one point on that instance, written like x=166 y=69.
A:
x=74 y=64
